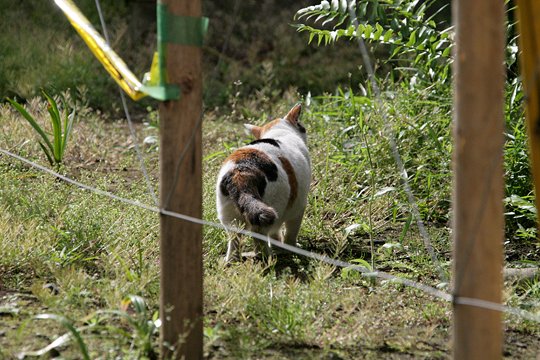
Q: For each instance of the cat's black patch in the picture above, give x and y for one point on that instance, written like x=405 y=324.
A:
x=272 y=142
x=226 y=181
x=301 y=128
x=270 y=170
x=246 y=183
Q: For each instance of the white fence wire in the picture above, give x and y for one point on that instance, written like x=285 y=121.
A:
x=365 y=272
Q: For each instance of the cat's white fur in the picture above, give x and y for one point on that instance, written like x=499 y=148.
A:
x=291 y=136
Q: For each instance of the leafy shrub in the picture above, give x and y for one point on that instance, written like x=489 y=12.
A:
x=419 y=48
x=410 y=34
x=415 y=36
x=520 y=209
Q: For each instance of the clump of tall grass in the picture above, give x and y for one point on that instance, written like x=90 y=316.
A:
x=52 y=143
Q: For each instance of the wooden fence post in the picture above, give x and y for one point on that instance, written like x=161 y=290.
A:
x=181 y=241
x=478 y=222
x=528 y=16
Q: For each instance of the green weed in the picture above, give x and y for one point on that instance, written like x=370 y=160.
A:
x=54 y=143
x=413 y=42
x=143 y=326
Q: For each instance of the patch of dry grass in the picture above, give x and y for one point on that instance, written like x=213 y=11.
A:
x=70 y=252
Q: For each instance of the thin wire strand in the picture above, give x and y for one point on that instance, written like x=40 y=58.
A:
x=323 y=258
x=395 y=151
x=338 y=263
x=132 y=131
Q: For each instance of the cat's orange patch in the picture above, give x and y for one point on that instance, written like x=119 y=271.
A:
x=293 y=183
x=247 y=153
x=245 y=181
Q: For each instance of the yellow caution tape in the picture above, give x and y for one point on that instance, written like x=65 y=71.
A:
x=184 y=30
x=114 y=65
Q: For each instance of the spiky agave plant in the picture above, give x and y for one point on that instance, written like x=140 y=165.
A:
x=53 y=144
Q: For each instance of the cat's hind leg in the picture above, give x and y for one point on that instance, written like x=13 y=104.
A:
x=278 y=236
x=263 y=248
x=233 y=248
x=292 y=228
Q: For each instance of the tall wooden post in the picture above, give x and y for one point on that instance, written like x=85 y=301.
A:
x=181 y=241
x=478 y=222
x=528 y=15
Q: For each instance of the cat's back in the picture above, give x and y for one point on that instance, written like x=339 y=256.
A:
x=277 y=169
x=255 y=166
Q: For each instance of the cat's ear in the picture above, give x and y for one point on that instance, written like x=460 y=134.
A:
x=253 y=130
x=294 y=114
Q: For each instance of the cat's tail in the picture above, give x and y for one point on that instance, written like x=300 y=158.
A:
x=255 y=211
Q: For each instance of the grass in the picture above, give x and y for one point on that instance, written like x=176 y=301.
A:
x=73 y=253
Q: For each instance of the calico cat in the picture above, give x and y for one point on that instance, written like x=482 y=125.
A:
x=265 y=184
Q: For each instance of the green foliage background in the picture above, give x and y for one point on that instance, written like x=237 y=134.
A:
x=41 y=50
x=414 y=39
